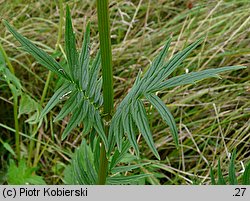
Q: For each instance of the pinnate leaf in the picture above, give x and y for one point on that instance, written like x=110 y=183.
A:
x=40 y=55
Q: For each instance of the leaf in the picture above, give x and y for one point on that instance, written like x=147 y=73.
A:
x=111 y=140
x=191 y=78
x=41 y=56
x=128 y=128
x=127 y=168
x=171 y=65
x=69 y=175
x=140 y=118
x=118 y=131
x=91 y=112
x=70 y=44
x=89 y=164
x=8 y=148
x=119 y=180
x=27 y=105
x=118 y=156
x=87 y=124
x=81 y=170
x=165 y=114
x=58 y=95
x=97 y=152
x=176 y=60
x=99 y=128
x=212 y=176
x=15 y=92
x=158 y=61
x=246 y=175
x=94 y=72
x=76 y=118
x=21 y=174
x=80 y=175
x=7 y=75
x=97 y=94
x=69 y=106
x=84 y=59
x=232 y=175
x=221 y=180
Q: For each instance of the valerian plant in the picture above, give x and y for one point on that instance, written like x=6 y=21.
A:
x=83 y=89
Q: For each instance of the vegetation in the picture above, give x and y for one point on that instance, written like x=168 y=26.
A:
x=212 y=117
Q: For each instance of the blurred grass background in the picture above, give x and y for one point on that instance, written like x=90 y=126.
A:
x=212 y=116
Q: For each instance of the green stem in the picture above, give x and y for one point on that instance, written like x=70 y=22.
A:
x=60 y=29
x=107 y=75
x=17 y=136
x=7 y=59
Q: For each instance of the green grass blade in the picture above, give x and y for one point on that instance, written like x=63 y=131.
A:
x=232 y=175
x=70 y=46
x=84 y=59
x=41 y=56
x=140 y=118
x=212 y=176
x=58 y=95
x=165 y=114
x=191 y=78
x=221 y=180
x=246 y=175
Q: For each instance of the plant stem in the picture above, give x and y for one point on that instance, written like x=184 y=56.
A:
x=107 y=75
x=7 y=59
x=17 y=135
